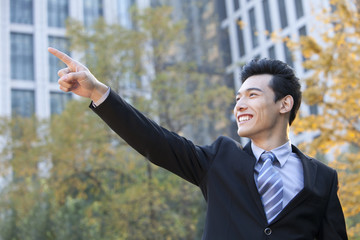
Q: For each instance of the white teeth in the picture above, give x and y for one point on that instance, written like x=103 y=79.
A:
x=244 y=118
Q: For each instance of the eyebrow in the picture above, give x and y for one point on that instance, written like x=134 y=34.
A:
x=250 y=89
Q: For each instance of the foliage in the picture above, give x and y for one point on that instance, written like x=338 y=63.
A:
x=71 y=177
x=334 y=86
x=95 y=187
x=181 y=94
x=109 y=51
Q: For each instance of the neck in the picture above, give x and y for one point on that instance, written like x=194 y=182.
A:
x=272 y=140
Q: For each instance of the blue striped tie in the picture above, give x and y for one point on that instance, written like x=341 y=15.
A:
x=270 y=186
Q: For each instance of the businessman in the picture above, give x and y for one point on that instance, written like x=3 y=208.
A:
x=268 y=189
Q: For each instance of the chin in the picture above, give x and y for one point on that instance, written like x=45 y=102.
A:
x=243 y=134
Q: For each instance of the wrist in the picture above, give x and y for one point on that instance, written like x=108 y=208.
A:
x=99 y=90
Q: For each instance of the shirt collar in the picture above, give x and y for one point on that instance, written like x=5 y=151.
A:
x=282 y=153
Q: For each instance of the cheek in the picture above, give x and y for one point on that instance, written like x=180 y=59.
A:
x=265 y=112
x=269 y=114
x=262 y=118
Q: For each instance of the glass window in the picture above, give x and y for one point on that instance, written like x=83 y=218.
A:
x=236 y=4
x=302 y=31
x=253 y=28
x=54 y=63
x=333 y=7
x=267 y=17
x=313 y=109
x=124 y=12
x=221 y=6
x=271 y=52
x=21 y=11
x=288 y=55
x=225 y=44
x=93 y=9
x=240 y=37
x=230 y=83
x=58 y=12
x=283 y=15
x=22 y=103
x=22 y=56
x=58 y=101
x=299 y=8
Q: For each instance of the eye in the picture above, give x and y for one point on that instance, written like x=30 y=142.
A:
x=252 y=94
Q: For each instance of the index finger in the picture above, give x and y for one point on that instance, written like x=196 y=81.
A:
x=63 y=57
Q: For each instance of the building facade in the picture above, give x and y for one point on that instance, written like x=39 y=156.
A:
x=228 y=33
x=28 y=72
x=225 y=34
x=255 y=29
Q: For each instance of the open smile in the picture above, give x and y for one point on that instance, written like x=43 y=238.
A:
x=244 y=118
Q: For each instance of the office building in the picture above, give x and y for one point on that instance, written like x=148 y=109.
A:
x=225 y=34
x=28 y=73
x=255 y=29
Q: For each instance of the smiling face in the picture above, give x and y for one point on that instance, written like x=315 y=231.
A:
x=257 y=115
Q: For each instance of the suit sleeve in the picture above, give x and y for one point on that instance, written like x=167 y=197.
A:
x=160 y=146
x=333 y=224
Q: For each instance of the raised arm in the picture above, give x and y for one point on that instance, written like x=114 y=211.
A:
x=160 y=146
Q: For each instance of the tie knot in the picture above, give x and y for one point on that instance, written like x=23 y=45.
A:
x=268 y=155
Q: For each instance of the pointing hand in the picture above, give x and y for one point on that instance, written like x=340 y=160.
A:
x=77 y=78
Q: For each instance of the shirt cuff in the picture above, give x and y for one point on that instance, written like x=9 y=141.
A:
x=102 y=99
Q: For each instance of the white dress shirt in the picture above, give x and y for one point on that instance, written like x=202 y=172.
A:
x=102 y=99
x=289 y=166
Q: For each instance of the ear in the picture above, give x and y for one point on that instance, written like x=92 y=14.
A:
x=287 y=104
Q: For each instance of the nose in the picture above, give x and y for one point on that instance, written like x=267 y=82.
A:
x=240 y=106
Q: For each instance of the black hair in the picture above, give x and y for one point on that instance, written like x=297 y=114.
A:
x=284 y=81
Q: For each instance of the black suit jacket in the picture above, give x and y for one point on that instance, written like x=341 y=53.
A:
x=224 y=171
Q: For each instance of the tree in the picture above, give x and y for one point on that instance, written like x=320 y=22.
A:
x=65 y=196
x=94 y=186
x=334 y=87
x=22 y=150
x=181 y=97
x=181 y=94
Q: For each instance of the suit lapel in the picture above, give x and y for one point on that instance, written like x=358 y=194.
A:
x=249 y=173
x=310 y=169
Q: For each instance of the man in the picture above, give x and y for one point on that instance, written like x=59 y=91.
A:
x=266 y=190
